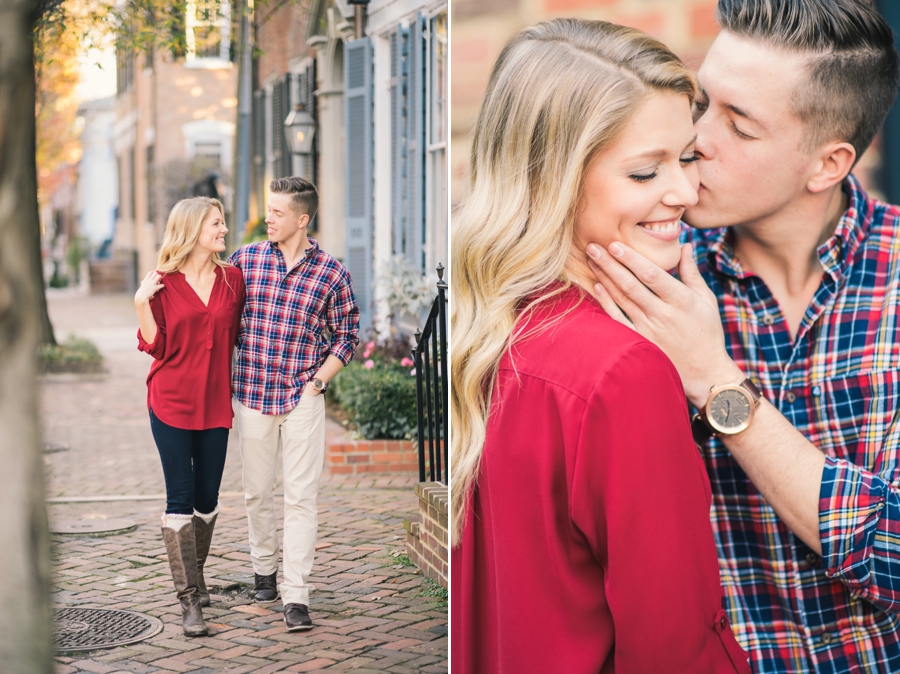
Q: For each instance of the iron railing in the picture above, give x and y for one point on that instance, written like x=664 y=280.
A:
x=430 y=356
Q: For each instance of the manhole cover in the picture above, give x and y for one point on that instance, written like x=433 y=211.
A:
x=92 y=527
x=89 y=629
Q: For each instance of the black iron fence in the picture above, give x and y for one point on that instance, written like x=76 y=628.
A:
x=430 y=356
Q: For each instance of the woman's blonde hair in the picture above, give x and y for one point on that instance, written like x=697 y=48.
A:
x=182 y=231
x=560 y=92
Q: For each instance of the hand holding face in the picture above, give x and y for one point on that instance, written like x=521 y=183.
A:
x=681 y=318
x=149 y=287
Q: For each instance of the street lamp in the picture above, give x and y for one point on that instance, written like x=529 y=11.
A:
x=300 y=128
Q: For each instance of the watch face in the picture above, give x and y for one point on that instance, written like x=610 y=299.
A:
x=729 y=410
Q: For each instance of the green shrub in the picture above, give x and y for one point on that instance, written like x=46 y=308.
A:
x=380 y=401
x=73 y=355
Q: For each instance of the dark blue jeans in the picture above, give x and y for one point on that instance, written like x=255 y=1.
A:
x=192 y=462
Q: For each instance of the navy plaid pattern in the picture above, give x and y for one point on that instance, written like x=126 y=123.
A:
x=839 y=384
x=282 y=342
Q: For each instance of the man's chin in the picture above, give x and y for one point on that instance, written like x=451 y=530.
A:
x=700 y=218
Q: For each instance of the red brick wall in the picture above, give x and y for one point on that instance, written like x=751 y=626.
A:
x=372 y=456
x=427 y=539
x=280 y=31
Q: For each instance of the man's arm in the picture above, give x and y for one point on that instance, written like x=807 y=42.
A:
x=342 y=318
x=847 y=514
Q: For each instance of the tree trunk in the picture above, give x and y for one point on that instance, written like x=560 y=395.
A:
x=26 y=642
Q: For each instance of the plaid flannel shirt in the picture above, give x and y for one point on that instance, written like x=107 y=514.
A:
x=839 y=384
x=282 y=342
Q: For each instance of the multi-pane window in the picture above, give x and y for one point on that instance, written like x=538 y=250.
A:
x=208 y=31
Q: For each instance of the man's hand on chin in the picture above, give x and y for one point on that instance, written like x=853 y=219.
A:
x=680 y=317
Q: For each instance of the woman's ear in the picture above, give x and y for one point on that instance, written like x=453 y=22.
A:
x=836 y=160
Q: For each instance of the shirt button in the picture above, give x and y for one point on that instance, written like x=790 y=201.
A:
x=817 y=391
x=767 y=320
x=826 y=638
x=812 y=558
x=790 y=397
x=723 y=622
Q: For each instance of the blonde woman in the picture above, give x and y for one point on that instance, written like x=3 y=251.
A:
x=581 y=533
x=189 y=311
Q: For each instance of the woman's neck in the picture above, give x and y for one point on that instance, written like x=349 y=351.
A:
x=198 y=265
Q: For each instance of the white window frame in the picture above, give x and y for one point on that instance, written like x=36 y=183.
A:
x=436 y=195
x=224 y=24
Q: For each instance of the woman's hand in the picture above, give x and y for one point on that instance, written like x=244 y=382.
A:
x=149 y=287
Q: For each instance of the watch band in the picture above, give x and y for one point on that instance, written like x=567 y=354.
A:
x=700 y=428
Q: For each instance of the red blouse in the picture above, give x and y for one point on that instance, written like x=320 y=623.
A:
x=587 y=545
x=189 y=385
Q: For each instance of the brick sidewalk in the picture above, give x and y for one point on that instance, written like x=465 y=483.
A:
x=371 y=614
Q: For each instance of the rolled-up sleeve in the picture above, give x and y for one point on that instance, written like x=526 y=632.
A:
x=343 y=321
x=158 y=348
x=859 y=528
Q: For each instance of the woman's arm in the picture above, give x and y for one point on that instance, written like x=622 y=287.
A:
x=148 y=326
x=641 y=497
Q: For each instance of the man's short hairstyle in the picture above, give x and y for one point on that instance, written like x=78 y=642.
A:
x=305 y=198
x=852 y=71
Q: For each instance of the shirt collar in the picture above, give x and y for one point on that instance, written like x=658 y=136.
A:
x=312 y=250
x=834 y=254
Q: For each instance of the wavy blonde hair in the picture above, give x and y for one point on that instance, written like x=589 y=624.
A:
x=182 y=231
x=560 y=92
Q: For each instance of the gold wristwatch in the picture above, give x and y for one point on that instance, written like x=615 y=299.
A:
x=728 y=410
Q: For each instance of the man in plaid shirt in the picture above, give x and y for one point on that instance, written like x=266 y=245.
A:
x=295 y=292
x=802 y=268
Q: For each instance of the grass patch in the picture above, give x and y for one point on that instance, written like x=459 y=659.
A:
x=398 y=558
x=436 y=591
x=74 y=355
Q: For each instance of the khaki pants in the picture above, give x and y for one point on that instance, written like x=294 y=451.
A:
x=302 y=434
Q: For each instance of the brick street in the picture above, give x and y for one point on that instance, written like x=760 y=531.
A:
x=371 y=613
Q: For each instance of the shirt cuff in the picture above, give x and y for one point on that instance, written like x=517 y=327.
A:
x=343 y=351
x=851 y=503
x=143 y=345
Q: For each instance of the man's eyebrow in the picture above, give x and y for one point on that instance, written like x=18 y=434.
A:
x=730 y=106
x=743 y=113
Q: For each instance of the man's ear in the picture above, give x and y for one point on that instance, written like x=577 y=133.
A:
x=303 y=221
x=835 y=161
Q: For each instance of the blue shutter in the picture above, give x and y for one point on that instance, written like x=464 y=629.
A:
x=415 y=168
x=358 y=185
x=398 y=143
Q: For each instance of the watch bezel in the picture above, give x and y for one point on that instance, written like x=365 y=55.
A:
x=729 y=430
x=318 y=384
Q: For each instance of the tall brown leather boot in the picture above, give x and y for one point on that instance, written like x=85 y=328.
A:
x=203 y=532
x=182 y=551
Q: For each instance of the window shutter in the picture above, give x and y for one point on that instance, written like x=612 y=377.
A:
x=258 y=150
x=415 y=169
x=359 y=148
x=397 y=144
x=278 y=139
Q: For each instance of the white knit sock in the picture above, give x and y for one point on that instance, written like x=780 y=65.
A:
x=175 y=520
x=207 y=517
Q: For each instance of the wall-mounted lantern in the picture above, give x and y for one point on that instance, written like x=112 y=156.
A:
x=300 y=128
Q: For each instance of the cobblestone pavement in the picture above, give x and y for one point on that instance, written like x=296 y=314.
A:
x=371 y=613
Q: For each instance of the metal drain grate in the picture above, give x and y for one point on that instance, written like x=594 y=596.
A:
x=89 y=629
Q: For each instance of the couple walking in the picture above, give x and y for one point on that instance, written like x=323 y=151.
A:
x=273 y=301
